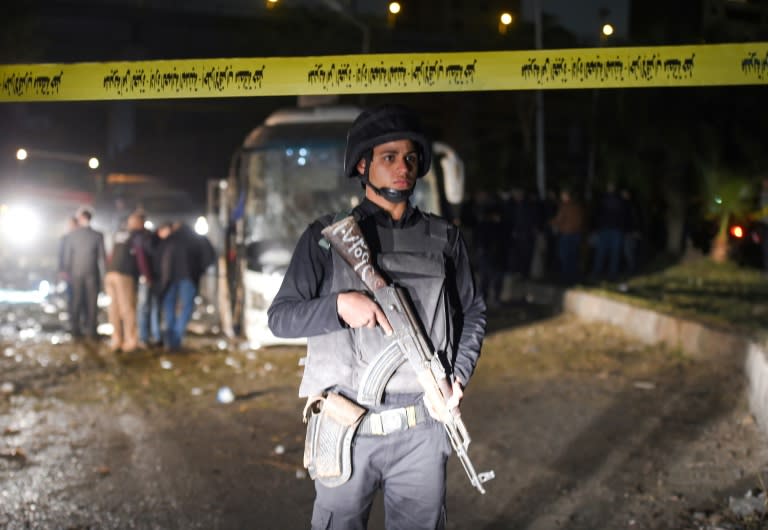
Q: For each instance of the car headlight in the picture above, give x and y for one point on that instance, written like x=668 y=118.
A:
x=21 y=225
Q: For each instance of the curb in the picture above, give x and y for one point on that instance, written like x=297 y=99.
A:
x=694 y=339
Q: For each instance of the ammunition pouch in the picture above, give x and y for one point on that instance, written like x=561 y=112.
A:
x=331 y=420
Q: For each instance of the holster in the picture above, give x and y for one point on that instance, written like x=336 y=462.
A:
x=331 y=420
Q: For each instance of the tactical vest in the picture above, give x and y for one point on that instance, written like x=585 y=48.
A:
x=124 y=255
x=412 y=258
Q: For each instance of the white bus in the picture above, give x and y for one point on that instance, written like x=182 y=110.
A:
x=288 y=172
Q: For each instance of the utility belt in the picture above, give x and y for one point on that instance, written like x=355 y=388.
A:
x=390 y=421
x=332 y=422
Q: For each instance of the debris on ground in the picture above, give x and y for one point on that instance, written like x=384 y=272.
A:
x=225 y=395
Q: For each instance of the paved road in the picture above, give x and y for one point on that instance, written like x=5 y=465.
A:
x=584 y=427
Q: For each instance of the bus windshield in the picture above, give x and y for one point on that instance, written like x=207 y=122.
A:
x=291 y=186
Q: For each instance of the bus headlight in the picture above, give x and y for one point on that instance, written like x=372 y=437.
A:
x=21 y=225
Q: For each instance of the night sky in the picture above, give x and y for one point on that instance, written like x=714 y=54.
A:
x=187 y=142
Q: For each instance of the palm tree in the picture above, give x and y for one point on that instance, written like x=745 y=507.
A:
x=729 y=197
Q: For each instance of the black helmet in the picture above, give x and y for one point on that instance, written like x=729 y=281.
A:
x=383 y=124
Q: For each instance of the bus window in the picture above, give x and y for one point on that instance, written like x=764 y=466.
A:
x=290 y=186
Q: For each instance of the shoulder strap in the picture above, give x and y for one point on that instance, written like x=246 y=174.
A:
x=438 y=228
x=327 y=220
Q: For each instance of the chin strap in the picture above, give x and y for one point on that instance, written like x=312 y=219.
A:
x=392 y=195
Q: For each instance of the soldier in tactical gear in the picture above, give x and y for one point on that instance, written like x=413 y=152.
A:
x=395 y=445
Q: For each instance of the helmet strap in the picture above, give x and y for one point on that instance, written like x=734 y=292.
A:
x=392 y=195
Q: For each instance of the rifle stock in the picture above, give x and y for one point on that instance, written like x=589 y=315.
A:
x=347 y=239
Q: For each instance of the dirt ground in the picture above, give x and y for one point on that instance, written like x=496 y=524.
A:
x=585 y=428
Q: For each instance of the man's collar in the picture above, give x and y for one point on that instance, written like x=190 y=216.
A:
x=370 y=208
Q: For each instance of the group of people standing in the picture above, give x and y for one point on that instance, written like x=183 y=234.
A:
x=151 y=279
x=525 y=236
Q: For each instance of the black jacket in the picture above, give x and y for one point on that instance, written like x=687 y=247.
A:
x=184 y=255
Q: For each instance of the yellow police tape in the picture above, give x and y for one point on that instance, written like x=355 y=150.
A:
x=663 y=66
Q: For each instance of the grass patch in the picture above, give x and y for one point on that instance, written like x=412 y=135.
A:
x=722 y=295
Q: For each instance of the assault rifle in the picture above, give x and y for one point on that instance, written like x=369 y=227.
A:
x=409 y=344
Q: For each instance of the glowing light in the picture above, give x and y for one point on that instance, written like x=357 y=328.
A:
x=27 y=333
x=44 y=288
x=737 y=231
x=12 y=296
x=20 y=224
x=22 y=154
x=506 y=19
x=607 y=30
x=394 y=7
x=201 y=226
x=103 y=301
x=93 y=162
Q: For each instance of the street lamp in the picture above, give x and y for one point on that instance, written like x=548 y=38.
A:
x=606 y=31
x=23 y=154
x=504 y=21
x=394 y=10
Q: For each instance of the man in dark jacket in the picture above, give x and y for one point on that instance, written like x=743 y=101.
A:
x=64 y=275
x=611 y=212
x=148 y=297
x=322 y=299
x=84 y=261
x=184 y=258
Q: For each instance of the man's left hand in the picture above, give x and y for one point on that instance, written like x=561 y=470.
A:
x=457 y=393
x=452 y=402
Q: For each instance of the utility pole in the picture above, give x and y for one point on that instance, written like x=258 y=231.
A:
x=605 y=32
x=347 y=12
x=541 y=174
